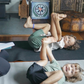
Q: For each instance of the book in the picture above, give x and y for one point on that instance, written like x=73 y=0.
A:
x=6 y=45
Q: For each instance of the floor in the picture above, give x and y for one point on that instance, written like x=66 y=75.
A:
x=13 y=30
x=13 y=26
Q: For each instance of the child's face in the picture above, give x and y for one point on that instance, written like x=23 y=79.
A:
x=69 y=41
x=70 y=69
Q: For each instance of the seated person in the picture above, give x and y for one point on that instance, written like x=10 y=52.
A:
x=68 y=41
x=42 y=73
x=4 y=64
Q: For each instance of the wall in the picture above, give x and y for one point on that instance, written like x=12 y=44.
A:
x=12 y=7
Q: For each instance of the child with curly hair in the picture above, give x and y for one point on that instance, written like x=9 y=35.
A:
x=42 y=73
x=67 y=42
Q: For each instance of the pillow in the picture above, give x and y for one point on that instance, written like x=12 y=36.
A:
x=74 y=22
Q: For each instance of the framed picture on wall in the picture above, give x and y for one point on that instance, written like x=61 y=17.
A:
x=40 y=9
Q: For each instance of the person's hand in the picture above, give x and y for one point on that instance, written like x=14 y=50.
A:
x=48 y=40
x=0 y=50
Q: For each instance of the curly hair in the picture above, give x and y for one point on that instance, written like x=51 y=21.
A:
x=78 y=76
x=76 y=44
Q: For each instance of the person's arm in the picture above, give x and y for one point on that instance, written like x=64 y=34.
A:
x=43 y=56
x=43 y=53
x=49 y=54
x=53 y=78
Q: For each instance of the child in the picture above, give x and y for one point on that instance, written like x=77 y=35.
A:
x=68 y=42
x=40 y=73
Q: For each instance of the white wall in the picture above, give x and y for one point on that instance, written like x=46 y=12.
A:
x=12 y=7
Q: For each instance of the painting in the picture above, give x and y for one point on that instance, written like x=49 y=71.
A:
x=39 y=10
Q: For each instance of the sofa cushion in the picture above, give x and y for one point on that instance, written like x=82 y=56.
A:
x=74 y=22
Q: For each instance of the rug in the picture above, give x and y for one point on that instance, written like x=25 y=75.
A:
x=14 y=26
x=23 y=51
